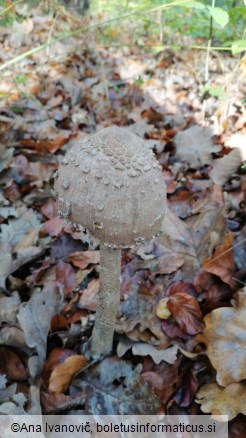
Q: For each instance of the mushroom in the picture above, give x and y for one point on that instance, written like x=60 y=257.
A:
x=111 y=183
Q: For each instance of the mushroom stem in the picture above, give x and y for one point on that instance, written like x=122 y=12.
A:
x=109 y=300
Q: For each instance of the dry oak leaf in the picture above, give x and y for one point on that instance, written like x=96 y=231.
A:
x=168 y=355
x=229 y=401
x=225 y=337
x=195 y=146
x=63 y=373
x=224 y=167
x=221 y=263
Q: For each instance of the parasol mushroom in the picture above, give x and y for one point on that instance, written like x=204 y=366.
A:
x=111 y=183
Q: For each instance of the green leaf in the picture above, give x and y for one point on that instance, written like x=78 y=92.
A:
x=196 y=5
x=216 y=91
x=238 y=46
x=220 y=16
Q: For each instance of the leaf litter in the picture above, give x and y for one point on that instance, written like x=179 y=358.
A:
x=180 y=324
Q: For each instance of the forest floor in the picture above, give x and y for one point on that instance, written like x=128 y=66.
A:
x=181 y=324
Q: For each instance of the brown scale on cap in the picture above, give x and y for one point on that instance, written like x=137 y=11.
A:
x=111 y=183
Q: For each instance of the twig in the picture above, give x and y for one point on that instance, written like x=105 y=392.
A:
x=209 y=46
x=50 y=34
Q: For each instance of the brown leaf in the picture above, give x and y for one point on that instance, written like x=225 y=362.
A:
x=63 y=373
x=225 y=335
x=188 y=387
x=229 y=401
x=58 y=323
x=162 y=379
x=237 y=428
x=53 y=226
x=138 y=319
x=65 y=275
x=49 y=209
x=192 y=239
x=172 y=330
x=185 y=308
x=11 y=365
x=89 y=297
x=159 y=259
x=54 y=402
x=81 y=259
x=212 y=287
x=56 y=357
x=221 y=263
x=47 y=145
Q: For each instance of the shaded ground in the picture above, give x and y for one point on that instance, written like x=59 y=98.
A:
x=183 y=297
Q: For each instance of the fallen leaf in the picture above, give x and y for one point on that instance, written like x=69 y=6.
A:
x=229 y=401
x=11 y=365
x=14 y=336
x=63 y=373
x=238 y=141
x=81 y=259
x=53 y=226
x=66 y=276
x=115 y=387
x=56 y=357
x=221 y=263
x=161 y=260
x=49 y=209
x=172 y=330
x=225 y=337
x=192 y=239
x=138 y=320
x=9 y=307
x=64 y=246
x=56 y=402
x=8 y=264
x=237 y=428
x=58 y=323
x=89 y=297
x=163 y=379
x=195 y=146
x=188 y=387
x=185 y=308
x=168 y=355
x=224 y=167
x=6 y=155
x=18 y=228
x=35 y=316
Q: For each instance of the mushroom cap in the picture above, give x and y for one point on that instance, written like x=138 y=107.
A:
x=111 y=183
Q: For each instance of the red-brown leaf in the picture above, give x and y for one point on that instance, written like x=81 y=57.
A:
x=65 y=275
x=11 y=365
x=185 y=308
x=221 y=263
